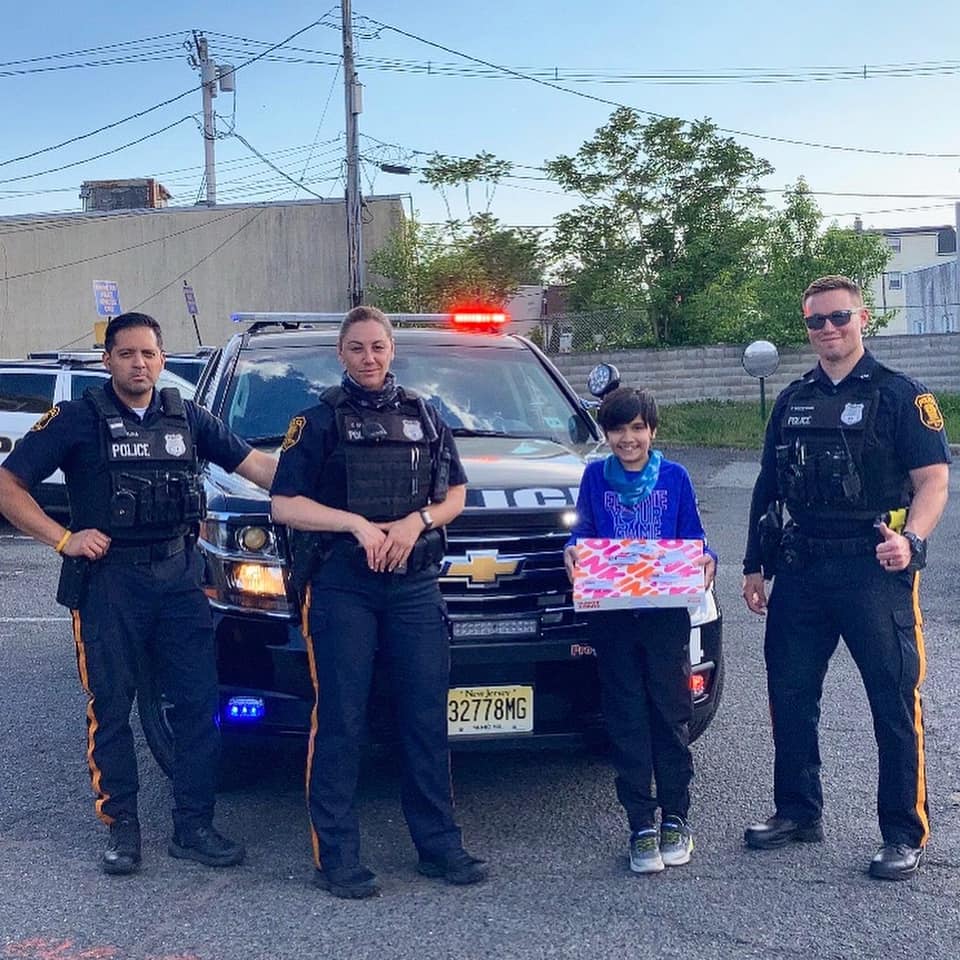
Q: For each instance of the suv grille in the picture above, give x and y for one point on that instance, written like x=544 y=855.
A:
x=490 y=572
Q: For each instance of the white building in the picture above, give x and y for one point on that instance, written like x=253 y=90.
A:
x=913 y=248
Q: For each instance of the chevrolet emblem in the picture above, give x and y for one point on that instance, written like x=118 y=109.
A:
x=482 y=566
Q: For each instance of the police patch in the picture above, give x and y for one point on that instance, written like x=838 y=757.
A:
x=175 y=444
x=852 y=413
x=413 y=430
x=46 y=418
x=930 y=415
x=294 y=433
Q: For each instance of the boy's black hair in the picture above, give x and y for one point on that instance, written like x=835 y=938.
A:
x=625 y=404
x=127 y=320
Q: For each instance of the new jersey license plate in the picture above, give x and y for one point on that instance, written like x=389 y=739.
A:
x=472 y=711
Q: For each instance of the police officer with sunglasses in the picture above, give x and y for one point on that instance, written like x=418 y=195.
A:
x=372 y=471
x=858 y=456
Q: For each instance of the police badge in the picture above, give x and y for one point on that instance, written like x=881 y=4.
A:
x=852 y=413
x=413 y=430
x=175 y=444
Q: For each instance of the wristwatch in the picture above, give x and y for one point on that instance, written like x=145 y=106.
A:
x=918 y=551
x=427 y=519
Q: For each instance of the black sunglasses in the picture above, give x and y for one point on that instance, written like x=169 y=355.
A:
x=839 y=318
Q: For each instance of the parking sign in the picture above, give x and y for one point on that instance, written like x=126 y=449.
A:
x=106 y=294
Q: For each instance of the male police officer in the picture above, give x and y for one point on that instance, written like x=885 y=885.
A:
x=132 y=578
x=848 y=446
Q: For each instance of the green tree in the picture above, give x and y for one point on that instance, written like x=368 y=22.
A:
x=669 y=210
x=796 y=250
x=424 y=269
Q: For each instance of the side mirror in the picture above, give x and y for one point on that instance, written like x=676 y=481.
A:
x=603 y=378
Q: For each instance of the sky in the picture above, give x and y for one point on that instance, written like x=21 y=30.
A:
x=692 y=59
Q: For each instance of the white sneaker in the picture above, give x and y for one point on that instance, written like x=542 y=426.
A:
x=676 y=842
x=645 y=852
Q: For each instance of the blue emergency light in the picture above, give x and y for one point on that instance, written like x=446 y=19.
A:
x=244 y=709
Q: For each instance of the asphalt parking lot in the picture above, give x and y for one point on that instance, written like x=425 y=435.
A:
x=548 y=823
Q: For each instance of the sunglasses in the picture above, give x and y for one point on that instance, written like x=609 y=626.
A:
x=839 y=318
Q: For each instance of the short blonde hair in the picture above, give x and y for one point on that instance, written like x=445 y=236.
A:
x=831 y=282
x=358 y=315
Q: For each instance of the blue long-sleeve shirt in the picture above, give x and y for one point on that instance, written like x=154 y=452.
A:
x=669 y=512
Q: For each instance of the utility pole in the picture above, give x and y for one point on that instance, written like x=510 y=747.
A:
x=208 y=81
x=352 y=98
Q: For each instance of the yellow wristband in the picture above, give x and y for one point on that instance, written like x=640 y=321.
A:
x=63 y=541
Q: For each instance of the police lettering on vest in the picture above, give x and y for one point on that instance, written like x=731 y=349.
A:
x=149 y=486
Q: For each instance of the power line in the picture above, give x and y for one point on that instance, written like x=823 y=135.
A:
x=156 y=106
x=98 y=49
x=661 y=116
x=274 y=167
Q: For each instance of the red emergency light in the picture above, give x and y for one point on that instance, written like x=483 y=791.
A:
x=479 y=318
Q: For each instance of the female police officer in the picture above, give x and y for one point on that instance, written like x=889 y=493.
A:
x=375 y=471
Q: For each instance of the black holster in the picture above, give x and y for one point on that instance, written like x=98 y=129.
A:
x=428 y=550
x=307 y=551
x=74 y=578
x=771 y=535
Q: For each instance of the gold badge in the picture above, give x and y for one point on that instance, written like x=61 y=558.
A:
x=46 y=418
x=294 y=432
x=930 y=415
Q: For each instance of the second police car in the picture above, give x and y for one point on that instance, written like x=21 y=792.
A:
x=522 y=671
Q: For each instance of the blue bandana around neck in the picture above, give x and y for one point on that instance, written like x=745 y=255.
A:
x=386 y=396
x=632 y=490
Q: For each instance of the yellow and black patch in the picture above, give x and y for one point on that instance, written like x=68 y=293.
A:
x=294 y=433
x=46 y=418
x=930 y=415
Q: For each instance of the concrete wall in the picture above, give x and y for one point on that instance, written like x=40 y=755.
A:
x=715 y=373
x=274 y=256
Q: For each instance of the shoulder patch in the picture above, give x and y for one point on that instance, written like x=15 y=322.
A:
x=930 y=415
x=294 y=433
x=46 y=418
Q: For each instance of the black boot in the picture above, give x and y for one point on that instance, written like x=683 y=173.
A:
x=779 y=831
x=457 y=867
x=122 y=855
x=896 y=861
x=206 y=846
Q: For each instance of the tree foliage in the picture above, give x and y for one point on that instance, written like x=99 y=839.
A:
x=430 y=269
x=669 y=209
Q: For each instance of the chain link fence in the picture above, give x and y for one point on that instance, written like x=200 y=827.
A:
x=595 y=330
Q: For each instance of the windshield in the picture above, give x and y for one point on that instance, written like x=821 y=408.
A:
x=477 y=390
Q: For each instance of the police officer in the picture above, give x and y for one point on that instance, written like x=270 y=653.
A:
x=375 y=471
x=132 y=577
x=858 y=454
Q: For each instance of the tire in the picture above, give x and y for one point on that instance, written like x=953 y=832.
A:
x=702 y=720
x=237 y=765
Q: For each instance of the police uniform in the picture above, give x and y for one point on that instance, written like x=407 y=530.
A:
x=381 y=462
x=839 y=456
x=143 y=609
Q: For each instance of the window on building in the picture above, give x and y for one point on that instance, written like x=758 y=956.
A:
x=949 y=323
x=895 y=280
x=894 y=244
x=947 y=240
x=919 y=326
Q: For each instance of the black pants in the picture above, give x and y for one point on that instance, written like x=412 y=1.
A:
x=139 y=620
x=878 y=616
x=353 y=612
x=644 y=665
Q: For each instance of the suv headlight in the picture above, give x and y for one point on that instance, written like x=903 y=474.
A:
x=245 y=569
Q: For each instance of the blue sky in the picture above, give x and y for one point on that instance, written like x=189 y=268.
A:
x=293 y=112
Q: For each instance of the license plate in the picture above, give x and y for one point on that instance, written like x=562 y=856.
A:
x=479 y=710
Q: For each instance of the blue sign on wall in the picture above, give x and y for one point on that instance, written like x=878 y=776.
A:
x=191 y=299
x=106 y=294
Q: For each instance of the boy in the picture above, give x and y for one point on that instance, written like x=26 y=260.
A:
x=642 y=654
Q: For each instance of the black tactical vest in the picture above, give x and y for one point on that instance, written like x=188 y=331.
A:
x=147 y=486
x=384 y=456
x=831 y=464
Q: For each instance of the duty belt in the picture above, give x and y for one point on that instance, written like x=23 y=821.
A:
x=851 y=547
x=144 y=552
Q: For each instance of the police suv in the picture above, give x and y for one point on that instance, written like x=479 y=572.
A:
x=29 y=388
x=522 y=671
